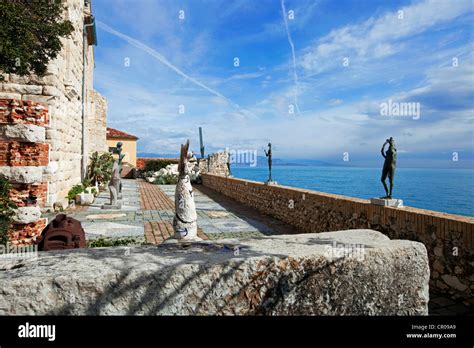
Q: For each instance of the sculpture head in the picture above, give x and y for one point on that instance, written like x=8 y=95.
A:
x=391 y=141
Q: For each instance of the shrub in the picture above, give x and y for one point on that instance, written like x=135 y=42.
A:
x=112 y=242
x=6 y=210
x=156 y=165
x=74 y=191
x=100 y=166
x=167 y=179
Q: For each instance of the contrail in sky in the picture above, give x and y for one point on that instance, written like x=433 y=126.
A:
x=163 y=60
x=290 y=41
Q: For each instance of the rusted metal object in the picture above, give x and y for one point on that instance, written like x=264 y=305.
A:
x=62 y=233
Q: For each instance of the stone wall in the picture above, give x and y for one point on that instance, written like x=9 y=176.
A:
x=60 y=90
x=24 y=157
x=448 y=238
x=97 y=124
x=217 y=164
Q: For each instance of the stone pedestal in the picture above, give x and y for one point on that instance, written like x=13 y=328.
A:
x=111 y=206
x=270 y=183
x=395 y=203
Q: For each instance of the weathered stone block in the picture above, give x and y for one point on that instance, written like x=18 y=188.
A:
x=23 y=132
x=26 y=215
x=396 y=203
x=85 y=198
x=357 y=272
x=22 y=175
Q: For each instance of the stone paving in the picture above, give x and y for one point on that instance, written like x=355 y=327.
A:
x=148 y=210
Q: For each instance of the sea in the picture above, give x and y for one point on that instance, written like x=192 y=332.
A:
x=443 y=190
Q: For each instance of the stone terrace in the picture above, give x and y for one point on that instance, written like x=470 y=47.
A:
x=148 y=210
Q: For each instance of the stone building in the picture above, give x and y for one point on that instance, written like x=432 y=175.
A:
x=129 y=144
x=50 y=124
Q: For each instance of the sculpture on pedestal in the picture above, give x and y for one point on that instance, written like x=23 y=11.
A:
x=269 y=156
x=185 y=218
x=114 y=187
x=229 y=173
x=120 y=158
x=389 y=166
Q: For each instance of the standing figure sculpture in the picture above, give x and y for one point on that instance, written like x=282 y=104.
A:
x=185 y=218
x=229 y=173
x=120 y=158
x=269 y=156
x=389 y=166
x=114 y=185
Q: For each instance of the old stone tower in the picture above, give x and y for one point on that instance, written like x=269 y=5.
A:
x=49 y=125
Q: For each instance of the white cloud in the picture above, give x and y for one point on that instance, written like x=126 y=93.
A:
x=378 y=37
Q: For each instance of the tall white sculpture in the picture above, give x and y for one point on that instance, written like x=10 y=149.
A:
x=185 y=218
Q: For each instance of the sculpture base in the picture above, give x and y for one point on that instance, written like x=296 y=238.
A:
x=270 y=183
x=111 y=206
x=387 y=202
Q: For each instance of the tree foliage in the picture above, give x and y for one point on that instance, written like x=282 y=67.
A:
x=30 y=33
x=6 y=209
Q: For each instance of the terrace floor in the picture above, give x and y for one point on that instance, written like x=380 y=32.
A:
x=147 y=213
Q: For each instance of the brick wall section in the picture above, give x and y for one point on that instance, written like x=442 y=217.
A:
x=16 y=153
x=24 y=155
x=13 y=111
x=448 y=238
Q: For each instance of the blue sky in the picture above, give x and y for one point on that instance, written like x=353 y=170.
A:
x=349 y=58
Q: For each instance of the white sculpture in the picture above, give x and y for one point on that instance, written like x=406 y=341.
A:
x=185 y=218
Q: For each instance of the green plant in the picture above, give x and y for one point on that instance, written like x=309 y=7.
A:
x=100 y=166
x=113 y=242
x=7 y=207
x=167 y=179
x=94 y=191
x=86 y=182
x=156 y=165
x=30 y=35
x=75 y=190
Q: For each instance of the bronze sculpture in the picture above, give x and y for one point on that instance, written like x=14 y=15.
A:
x=389 y=166
x=269 y=156
x=114 y=186
x=120 y=158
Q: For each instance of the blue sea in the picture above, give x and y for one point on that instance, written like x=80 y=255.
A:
x=444 y=190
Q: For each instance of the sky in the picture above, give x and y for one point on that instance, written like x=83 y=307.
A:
x=324 y=80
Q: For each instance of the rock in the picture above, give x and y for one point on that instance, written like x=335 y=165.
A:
x=395 y=203
x=23 y=175
x=454 y=282
x=26 y=215
x=150 y=179
x=85 y=198
x=438 y=266
x=277 y=275
x=23 y=132
x=438 y=251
